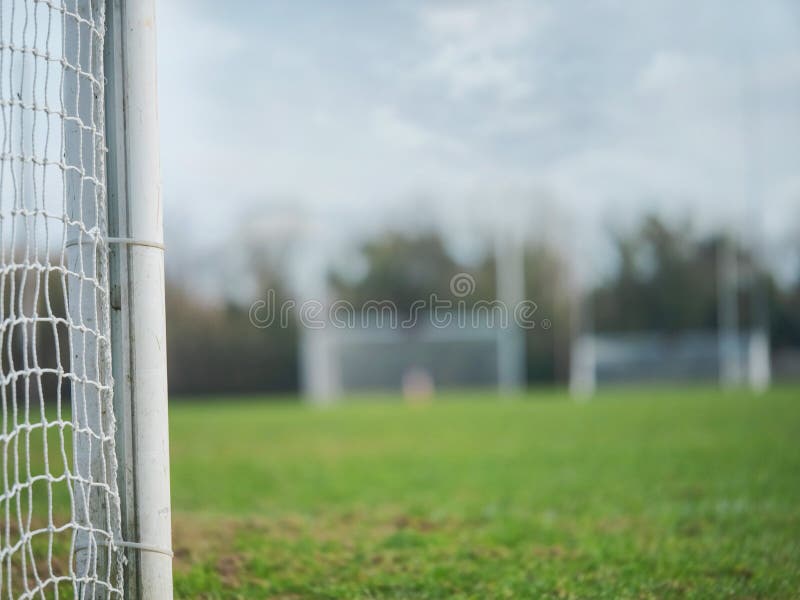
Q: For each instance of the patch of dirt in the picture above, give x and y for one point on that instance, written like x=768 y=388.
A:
x=229 y=566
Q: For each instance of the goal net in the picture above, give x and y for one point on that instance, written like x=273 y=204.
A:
x=365 y=358
x=654 y=357
x=60 y=505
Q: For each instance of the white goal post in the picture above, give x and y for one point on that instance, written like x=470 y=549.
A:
x=85 y=501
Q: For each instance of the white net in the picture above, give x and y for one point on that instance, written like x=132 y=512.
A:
x=366 y=356
x=59 y=502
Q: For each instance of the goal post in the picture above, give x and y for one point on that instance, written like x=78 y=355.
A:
x=143 y=419
x=137 y=295
x=84 y=453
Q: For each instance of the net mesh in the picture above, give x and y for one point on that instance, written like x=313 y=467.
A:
x=59 y=502
x=367 y=356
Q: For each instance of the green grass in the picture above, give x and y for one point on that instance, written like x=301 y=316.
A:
x=637 y=494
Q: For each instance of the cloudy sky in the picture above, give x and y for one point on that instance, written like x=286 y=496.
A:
x=364 y=112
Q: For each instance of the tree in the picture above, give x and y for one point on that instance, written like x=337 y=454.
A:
x=665 y=281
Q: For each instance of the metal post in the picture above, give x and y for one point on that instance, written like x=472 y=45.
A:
x=510 y=283
x=319 y=368
x=137 y=297
x=582 y=351
x=730 y=362
x=758 y=350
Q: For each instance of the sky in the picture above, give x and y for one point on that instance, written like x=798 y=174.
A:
x=560 y=116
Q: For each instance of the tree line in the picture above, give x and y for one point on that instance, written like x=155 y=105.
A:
x=664 y=280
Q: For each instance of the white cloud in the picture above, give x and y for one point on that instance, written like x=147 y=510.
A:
x=695 y=79
x=397 y=131
x=459 y=21
x=520 y=122
x=474 y=46
x=196 y=39
x=486 y=26
x=391 y=128
x=663 y=72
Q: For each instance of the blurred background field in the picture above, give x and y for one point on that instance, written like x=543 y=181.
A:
x=672 y=493
x=628 y=168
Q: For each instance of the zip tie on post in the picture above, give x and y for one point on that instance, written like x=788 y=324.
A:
x=145 y=548
x=133 y=545
x=133 y=242
x=122 y=240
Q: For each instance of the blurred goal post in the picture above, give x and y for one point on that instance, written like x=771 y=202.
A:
x=85 y=500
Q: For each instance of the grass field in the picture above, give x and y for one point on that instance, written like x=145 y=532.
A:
x=669 y=494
